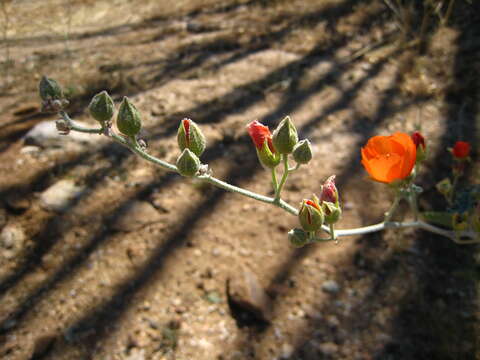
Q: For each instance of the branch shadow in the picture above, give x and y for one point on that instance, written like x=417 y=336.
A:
x=141 y=279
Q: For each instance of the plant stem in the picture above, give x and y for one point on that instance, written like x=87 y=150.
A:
x=232 y=188
x=284 y=176
x=393 y=208
x=451 y=196
x=412 y=199
x=472 y=236
x=274 y=180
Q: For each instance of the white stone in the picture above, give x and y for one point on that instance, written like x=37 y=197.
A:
x=60 y=195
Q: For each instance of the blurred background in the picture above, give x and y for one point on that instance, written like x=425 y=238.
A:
x=104 y=256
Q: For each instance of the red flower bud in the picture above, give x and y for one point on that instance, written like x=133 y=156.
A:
x=259 y=134
x=461 y=150
x=311 y=215
x=329 y=191
x=418 y=139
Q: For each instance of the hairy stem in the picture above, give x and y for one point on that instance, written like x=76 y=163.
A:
x=471 y=237
x=284 y=176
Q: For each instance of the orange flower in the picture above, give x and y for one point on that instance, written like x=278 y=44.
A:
x=389 y=158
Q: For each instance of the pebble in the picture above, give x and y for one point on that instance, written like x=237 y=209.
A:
x=45 y=135
x=12 y=237
x=245 y=290
x=287 y=351
x=29 y=149
x=328 y=348
x=60 y=195
x=136 y=354
x=331 y=286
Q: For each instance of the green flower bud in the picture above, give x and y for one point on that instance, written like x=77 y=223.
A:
x=311 y=215
x=298 y=237
x=188 y=163
x=302 y=152
x=285 y=136
x=331 y=211
x=444 y=187
x=268 y=158
x=101 y=107
x=49 y=89
x=129 y=121
x=190 y=137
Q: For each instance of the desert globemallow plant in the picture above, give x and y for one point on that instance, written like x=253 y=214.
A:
x=392 y=160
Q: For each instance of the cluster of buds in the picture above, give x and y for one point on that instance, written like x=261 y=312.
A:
x=190 y=138
x=316 y=212
x=129 y=120
x=52 y=96
x=192 y=143
x=461 y=155
x=284 y=140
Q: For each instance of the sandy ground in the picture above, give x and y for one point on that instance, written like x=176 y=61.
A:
x=141 y=263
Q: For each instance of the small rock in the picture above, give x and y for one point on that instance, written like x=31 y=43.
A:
x=29 y=149
x=331 y=286
x=287 y=351
x=12 y=237
x=136 y=354
x=328 y=348
x=42 y=344
x=60 y=195
x=136 y=216
x=45 y=135
x=245 y=291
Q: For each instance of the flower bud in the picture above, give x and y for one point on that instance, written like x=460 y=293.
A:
x=419 y=142
x=298 y=237
x=188 y=163
x=302 y=152
x=129 y=121
x=262 y=139
x=190 y=137
x=331 y=211
x=444 y=187
x=461 y=150
x=311 y=215
x=49 y=89
x=102 y=107
x=329 y=191
x=285 y=136
x=266 y=157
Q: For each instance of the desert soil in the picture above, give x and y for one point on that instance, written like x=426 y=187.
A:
x=141 y=264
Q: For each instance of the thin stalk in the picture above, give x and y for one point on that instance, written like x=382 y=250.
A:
x=274 y=180
x=389 y=214
x=472 y=237
x=451 y=196
x=284 y=176
x=295 y=168
x=226 y=186
x=412 y=199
